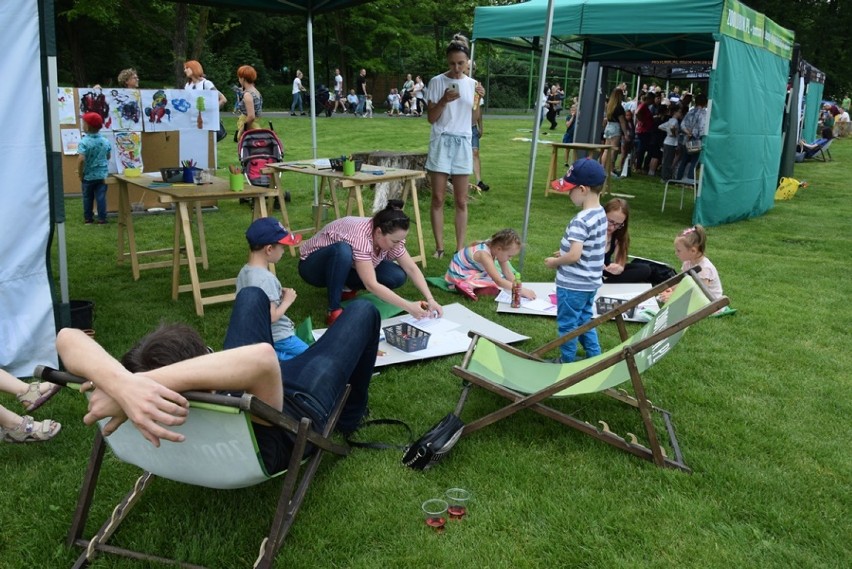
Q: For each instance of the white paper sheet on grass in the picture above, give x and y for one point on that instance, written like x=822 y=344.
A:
x=624 y=291
x=448 y=335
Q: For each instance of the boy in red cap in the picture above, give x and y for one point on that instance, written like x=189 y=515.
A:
x=93 y=167
x=266 y=238
x=579 y=261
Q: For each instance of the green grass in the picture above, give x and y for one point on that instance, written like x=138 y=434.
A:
x=760 y=401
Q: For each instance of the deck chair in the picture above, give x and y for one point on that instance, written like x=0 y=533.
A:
x=526 y=380
x=220 y=451
x=820 y=152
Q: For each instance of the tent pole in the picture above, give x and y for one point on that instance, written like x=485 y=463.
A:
x=548 y=32
x=313 y=100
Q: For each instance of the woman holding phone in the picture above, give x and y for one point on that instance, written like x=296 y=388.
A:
x=449 y=99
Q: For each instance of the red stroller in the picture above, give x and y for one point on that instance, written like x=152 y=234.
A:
x=257 y=149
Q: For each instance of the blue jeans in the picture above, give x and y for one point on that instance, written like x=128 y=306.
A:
x=686 y=168
x=331 y=267
x=297 y=100
x=362 y=102
x=573 y=309
x=94 y=191
x=315 y=380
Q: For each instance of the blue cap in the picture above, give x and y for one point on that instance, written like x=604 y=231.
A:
x=268 y=230
x=584 y=172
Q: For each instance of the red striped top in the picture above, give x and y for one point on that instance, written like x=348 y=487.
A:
x=358 y=233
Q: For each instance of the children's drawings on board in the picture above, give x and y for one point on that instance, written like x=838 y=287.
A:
x=128 y=150
x=70 y=140
x=177 y=109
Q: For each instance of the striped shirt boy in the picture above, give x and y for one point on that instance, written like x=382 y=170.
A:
x=589 y=227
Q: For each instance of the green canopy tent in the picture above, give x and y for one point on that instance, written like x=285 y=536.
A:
x=747 y=86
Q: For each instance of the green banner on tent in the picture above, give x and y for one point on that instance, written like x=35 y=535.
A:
x=750 y=26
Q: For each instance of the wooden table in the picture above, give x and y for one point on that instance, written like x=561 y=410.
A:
x=593 y=150
x=183 y=196
x=331 y=181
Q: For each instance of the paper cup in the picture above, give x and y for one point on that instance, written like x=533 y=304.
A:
x=237 y=182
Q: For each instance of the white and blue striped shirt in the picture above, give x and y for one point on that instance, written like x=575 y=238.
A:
x=588 y=227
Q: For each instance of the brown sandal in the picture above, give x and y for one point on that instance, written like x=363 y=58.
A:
x=30 y=431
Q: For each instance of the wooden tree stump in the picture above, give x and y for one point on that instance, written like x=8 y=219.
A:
x=389 y=159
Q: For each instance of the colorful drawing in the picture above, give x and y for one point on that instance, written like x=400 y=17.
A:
x=70 y=140
x=65 y=103
x=125 y=108
x=128 y=150
x=178 y=109
x=94 y=101
x=158 y=108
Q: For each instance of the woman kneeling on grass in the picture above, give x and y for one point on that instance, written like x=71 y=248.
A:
x=357 y=253
x=474 y=269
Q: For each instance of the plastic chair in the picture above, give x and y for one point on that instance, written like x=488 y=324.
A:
x=683 y=183
x=526 y=380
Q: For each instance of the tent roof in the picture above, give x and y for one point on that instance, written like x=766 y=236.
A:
x=304 y=7
x=627 y=30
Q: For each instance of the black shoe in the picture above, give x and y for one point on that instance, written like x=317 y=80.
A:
x=483 y=186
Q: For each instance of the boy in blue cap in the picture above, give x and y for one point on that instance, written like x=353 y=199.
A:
x=266 y=238
x=579 y=261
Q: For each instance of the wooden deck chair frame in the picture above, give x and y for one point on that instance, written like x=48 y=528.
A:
x=296 y=478
x=627 y=352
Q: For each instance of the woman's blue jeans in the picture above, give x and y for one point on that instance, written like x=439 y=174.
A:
x=297 y=102
x=331 y=267
x=314 y=380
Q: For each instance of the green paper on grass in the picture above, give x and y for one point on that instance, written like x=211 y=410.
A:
x=440 y=283
x=386 y=309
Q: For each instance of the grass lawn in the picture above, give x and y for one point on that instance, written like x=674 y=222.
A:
x=758 y=402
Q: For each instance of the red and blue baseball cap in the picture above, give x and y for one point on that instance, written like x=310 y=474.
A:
x=584 y=172
x=268 y=230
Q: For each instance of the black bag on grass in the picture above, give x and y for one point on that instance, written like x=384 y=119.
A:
x=659 y=271
x=435 y=444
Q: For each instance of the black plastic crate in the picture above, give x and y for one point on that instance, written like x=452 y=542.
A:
x=172 y=175
x=406 y=337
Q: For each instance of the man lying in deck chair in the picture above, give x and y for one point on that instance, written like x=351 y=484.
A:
x=219 y=440
x=526 y=380
x=171 y=360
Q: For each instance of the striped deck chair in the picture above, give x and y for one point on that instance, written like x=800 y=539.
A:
x=527 y=381
x=219 y=451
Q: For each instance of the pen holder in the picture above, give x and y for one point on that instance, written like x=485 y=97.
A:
x=188 y=174
x=237 y=182
x=348 y=167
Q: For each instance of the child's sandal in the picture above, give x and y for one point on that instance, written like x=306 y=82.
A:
x=30 y=431
x=33 y=398
x=438 y=254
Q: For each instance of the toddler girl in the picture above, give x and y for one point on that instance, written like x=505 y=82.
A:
x=689 y=248
x=475 y=267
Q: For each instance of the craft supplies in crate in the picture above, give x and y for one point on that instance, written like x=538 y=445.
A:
x=604 y=304
x=406 y=337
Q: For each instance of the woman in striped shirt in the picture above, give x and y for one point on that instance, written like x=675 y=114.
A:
x=365 y=253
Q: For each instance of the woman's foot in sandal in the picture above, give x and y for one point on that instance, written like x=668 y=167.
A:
x=438 y=254
x=37 y=394
x=30 y=431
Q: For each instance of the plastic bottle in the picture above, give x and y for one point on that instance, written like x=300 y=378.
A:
x=516 y=291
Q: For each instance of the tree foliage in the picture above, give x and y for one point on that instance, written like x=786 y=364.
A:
x=97 y=38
